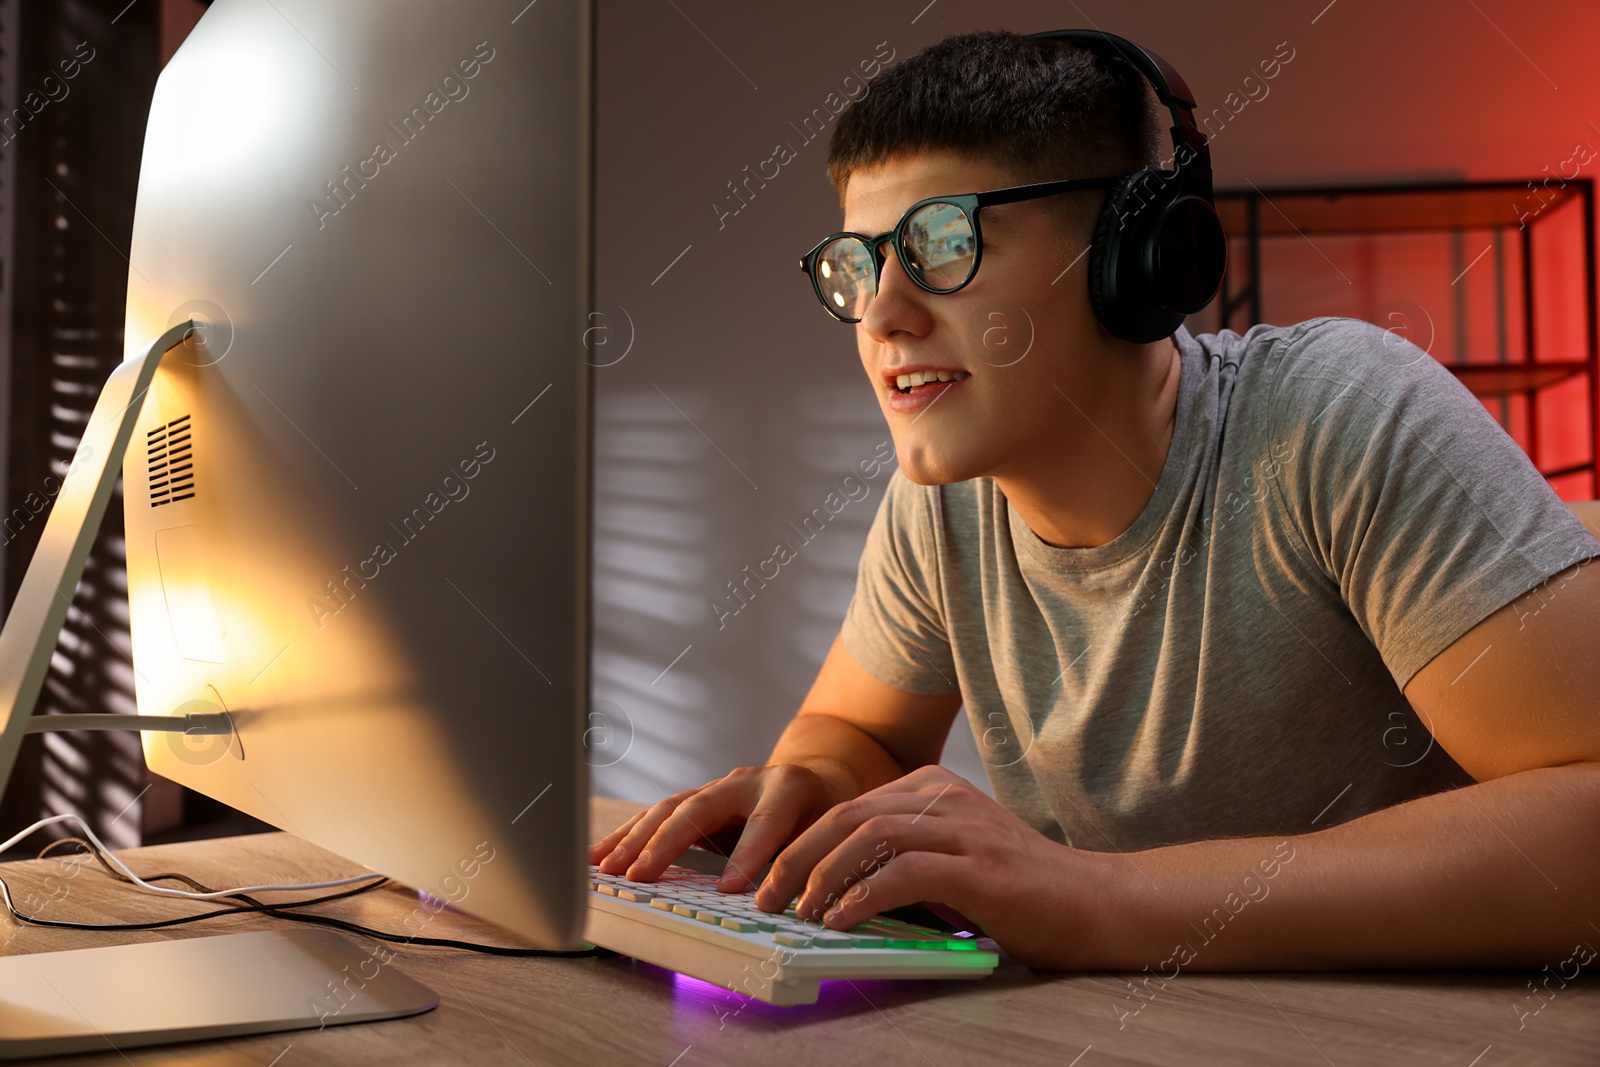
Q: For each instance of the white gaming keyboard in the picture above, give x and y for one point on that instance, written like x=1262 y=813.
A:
x=684 y=923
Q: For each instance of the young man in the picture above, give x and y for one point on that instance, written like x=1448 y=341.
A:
x=1233 y=617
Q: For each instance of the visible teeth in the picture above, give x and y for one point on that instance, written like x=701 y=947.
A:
x=916 y=378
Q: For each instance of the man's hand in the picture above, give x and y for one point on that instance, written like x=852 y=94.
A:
x=759 y=807
x=933 y=837
x=852 y=732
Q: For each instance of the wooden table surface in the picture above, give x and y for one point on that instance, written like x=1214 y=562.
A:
x=619 y=1011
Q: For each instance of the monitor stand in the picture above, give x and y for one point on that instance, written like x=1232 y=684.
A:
x=196 y=988
x=185 y=989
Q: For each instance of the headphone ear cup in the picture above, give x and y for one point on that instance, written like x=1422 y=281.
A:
x=1106 y=253
x=1119 y=291
x=1189 y=253
x=1156 y=256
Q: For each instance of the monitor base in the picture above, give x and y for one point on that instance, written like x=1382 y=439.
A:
x=194 y=989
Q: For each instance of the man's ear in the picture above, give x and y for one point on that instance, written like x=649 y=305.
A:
x=840 y=187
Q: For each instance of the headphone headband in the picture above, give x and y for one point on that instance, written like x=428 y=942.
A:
x=1159 y=251
x=1171 y=90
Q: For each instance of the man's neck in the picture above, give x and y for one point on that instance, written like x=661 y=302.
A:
x=1099 y=475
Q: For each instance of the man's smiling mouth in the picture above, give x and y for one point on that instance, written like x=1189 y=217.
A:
x=905 y=383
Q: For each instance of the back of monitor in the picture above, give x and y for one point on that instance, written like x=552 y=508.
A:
x=356 y=503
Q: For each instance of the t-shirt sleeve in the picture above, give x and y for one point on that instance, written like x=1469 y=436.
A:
x=894 y=626
x=1406 y=492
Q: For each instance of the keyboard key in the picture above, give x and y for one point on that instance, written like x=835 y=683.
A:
x=744 y=905
x=906 y=935
x=684 y=909
x=608 y=889
x=637 y=895
x=890 y=941
x=825 y=939
x=891 y=937
x=792 y=938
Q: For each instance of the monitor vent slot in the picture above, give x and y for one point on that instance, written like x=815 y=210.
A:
x=169 y=459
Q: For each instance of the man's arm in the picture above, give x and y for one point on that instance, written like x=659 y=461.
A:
x=852 y=734
x=858 y=733
x=1504 y=872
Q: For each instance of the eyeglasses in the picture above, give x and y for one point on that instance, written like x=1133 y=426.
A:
x=938 y=242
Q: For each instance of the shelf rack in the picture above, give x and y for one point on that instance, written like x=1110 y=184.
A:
x=1253 y=215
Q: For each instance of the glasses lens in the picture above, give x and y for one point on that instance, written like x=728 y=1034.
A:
x=846 y=277
x=939 y=246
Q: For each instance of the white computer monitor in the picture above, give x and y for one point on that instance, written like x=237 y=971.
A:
x=357 y=507
x=353 y=429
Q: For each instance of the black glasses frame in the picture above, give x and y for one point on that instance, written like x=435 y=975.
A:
x=969 y=204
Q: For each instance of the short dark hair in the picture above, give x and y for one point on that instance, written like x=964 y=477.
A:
x=1042 y=109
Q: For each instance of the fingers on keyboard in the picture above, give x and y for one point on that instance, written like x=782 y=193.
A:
x=703 y=813
x=767 y=829
x=607 y=844
x=635 y=839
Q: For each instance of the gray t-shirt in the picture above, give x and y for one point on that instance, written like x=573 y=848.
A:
x=1335 y=510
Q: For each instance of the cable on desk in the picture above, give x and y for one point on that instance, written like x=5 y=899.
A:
x=108 y=859
x=34 y=920
x=277 y=911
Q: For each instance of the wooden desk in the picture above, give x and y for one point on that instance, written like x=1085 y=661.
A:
x=618 y=1011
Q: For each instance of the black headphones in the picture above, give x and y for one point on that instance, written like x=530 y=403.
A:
x=1158 y=251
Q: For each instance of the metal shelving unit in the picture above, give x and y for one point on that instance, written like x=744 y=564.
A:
x=1253 y=215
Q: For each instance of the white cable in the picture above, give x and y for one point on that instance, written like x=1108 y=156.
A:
x=163 y=890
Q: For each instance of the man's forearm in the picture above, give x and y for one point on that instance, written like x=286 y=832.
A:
x=1500 y=873
x=847 y=758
